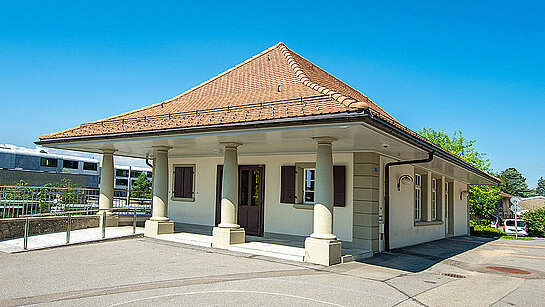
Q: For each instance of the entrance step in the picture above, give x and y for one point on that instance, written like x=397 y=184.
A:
x=270 y=250
x=349 y=255
x=188 y=238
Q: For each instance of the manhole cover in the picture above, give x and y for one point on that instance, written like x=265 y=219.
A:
x=503 y=269
x=453 y=275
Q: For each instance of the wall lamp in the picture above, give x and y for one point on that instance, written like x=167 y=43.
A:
x=463 y=192
x=405 y=179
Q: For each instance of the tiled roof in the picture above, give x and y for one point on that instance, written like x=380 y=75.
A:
x=275 y=84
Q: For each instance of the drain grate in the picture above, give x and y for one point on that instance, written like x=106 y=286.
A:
x=453 y=275
x=504 y=269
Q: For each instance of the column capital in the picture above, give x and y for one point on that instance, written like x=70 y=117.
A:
x=161 y=148
x=327 y=140
x=106 y=151
x=232 y=145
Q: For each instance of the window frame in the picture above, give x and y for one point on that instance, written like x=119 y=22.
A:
x=193 y=185
x=44 y=161
x=64 y=162
x=305 y=180
x=417 y=208
x=95 y=166
x=434 y=199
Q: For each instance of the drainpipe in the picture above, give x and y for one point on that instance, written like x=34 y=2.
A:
x=387 y=194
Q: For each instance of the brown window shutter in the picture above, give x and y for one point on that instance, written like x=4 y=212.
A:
x=187 y=186
x=339 y=186
x=178 y=179
x=287 y=185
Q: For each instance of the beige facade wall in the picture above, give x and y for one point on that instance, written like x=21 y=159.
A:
x=366 y=201
x=404 y=231
x=278 y=217
x=461 y=209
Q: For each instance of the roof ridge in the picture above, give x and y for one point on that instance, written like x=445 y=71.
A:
x=196 y=86
x=299 y=72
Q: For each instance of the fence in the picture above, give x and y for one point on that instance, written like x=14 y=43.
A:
x=24 y=200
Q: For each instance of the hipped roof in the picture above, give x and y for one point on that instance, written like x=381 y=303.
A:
x=277 y=83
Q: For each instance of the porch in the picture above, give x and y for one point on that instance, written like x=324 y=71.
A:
x=287 y=247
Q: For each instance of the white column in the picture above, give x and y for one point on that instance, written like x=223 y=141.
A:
x=229 y=190
x=323 y=197
x=322 y=247
x=160 y=184
x=228 y=231
x=106 y=197
x=159 y=222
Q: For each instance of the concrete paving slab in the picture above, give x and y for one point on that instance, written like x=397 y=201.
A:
x=55 y=239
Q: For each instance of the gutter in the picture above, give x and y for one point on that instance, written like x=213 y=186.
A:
x=350 y=116
x=387 y=194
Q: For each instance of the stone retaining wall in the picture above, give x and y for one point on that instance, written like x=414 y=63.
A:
x=15 y=227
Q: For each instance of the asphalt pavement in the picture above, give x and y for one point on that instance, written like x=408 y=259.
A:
x=464 y=271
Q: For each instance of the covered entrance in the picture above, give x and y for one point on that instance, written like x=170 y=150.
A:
x=251 y=192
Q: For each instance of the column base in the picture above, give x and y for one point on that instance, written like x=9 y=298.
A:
x=112 y=220
x=324 y=252
x=223 y=237
x=155 y=228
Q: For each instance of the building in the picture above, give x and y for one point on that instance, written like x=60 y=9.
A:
x=37 y=167
x=276 y=146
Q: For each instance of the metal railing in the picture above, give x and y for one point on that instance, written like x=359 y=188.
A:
x=70 y=214
x=24 y=200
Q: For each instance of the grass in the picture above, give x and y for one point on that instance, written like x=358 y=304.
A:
x=519 y=238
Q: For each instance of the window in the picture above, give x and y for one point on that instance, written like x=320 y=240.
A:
x=298 y=183
x=309 y=183
x=135 y=174
x=122 y=182
x=121 y=173
x=48 y=162
x=89 y=166
x=149 y=174
x=434 y=199
x=183 y=182
x=417 y=197
x=70 y=164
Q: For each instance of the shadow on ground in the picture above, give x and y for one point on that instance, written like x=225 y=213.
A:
x=420 y=257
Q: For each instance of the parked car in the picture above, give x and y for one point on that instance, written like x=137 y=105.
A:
x=510 y=229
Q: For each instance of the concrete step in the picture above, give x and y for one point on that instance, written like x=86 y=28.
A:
x=188 y=238
x=355 y=255
x=270 y=250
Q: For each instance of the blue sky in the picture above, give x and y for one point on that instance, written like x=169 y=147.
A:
x=477 y=66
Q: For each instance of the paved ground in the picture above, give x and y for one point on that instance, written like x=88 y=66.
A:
x=76 y=236
x=143 y=271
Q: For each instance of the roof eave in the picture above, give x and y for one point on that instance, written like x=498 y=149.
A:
x=350 y=116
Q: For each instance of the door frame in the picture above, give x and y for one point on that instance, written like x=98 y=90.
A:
x=261 y=204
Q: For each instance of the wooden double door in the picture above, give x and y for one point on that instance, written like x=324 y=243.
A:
x=251 y=191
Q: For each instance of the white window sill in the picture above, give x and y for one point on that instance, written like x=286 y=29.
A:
x=183 y=199
x=427 y=223
x=303 y=206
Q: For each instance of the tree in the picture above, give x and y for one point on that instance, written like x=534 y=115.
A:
x=540 y=190
x=141 y=188
x=458 y=145
x=512 y=182
x=482 y=199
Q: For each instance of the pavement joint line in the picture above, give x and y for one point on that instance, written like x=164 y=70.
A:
x=132 y=236
x=151 y=285
x=502 y=244
x=501 y=298
x=226 y=291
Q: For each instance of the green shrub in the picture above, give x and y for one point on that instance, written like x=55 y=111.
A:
x=535 y=221
x=487 y=231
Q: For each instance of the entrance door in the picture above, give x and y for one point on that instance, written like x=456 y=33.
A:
x=251 y=187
